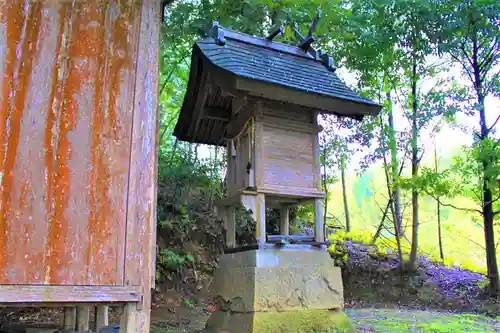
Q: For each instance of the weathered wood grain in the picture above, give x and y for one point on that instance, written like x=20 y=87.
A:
x=288 y=158
x=67 y=73
x=315 y=102
x=141 y=214
x=130 y=319
x=69 y=318
x=102 y=317
x=82 y=318
x=284 y=220
x=67 y=294
x=319 y=230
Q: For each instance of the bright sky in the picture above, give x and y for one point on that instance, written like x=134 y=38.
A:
x=448 y=140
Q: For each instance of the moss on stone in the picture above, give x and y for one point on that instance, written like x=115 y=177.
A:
x=302 y=321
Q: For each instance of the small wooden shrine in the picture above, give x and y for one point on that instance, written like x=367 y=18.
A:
x=261 y=99
x=78 y=128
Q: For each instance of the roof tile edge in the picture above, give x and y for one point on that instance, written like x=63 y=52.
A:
x=219 y=34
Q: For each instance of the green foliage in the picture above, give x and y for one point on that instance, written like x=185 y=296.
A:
x=188 y=303
x=168 y=262
x=376 y=40
x=464 y=176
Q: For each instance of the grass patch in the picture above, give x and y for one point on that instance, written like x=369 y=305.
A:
x=392 y=321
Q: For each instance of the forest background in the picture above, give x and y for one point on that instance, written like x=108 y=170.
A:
x=421 y=178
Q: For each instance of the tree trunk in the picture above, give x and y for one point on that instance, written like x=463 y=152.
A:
x=488 y=215
x=440 y=238
x=487 y=209
x=394 y=166
x=414 y=169
x=344 y=194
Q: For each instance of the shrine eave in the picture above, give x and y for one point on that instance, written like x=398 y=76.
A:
x=227 y=64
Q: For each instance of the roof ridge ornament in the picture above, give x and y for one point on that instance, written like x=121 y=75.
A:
x=276 y=32
x=305 y=42
x=327 y=60
x=217 y=33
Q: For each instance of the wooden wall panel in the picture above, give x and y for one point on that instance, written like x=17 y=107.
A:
x=66 y=100
x=241 y=162
x=141 y=220
x=288 y=159
x=293 y=113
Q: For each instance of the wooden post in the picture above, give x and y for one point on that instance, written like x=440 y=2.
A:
x=82 y=318
x=230 y=225
x=285 y=221
x=101 y=317
x=319 y=233
x=261 y=218
x=69 y=319
x=128 y=320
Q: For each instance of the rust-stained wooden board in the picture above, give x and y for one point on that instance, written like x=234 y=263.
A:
x=141 y=216
x=67 y=294
x=67 y=99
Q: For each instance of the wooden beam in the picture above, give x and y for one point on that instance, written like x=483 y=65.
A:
x=230 y=225
x=199 y=105
x=238 y=104
x=291 y=192
x=284 y=220
x=319 y=230
x=101 y=317
x=66 y=294
x=237 y=123
x=216 y=114
x=128 y=322
x=266 y=43
x=69 y=319
x=260 y=229
x=314 y=101
x=225 y=80
x=82 y=318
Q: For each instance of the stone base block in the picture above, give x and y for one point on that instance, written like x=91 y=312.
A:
x=299 y=321
x=277 y=280
x=290 y=289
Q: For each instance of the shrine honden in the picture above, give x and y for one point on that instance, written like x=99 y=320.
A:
x=260 y=99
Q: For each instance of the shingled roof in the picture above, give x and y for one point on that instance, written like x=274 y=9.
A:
x=297 y=69
x=261 y=59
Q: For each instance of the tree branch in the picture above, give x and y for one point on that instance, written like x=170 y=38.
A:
x=489 y=57
x=494 y=124
x=470 y=210
x=169 y=75
x=464 y=51
x=471 y=240
x=457 y=59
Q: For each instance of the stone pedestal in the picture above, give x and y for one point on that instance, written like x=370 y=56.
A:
x=291 y=289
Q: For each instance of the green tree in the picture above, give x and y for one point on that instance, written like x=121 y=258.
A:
x=470 y=33
x=370 y=48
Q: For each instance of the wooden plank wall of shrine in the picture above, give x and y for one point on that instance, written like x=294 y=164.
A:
x=78 y=129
